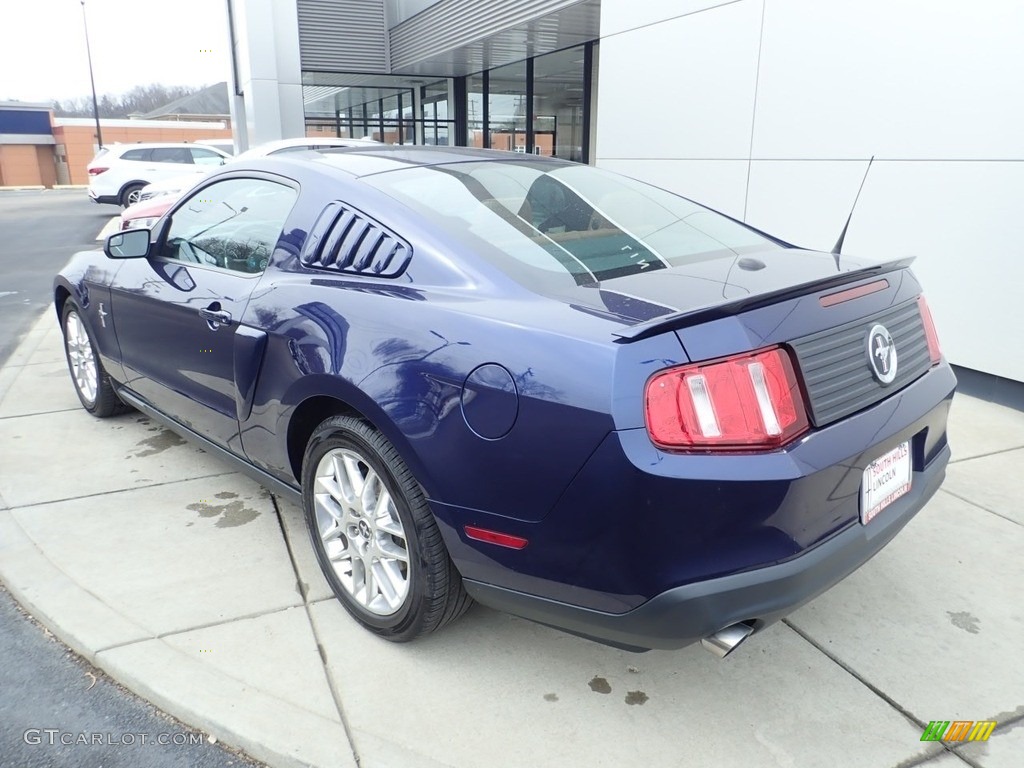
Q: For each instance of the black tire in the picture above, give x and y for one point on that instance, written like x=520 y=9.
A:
x=129 y=195
x=435 y=594
x=104 y=401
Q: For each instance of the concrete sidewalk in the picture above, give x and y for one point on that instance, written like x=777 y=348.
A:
x=197 y=589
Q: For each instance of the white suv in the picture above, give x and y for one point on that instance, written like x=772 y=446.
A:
x=177 y=185
x=119 y=172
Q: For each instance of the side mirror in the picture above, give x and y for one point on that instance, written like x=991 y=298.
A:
x=130 y=244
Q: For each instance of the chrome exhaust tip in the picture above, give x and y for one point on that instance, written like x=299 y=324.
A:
x=727 y=640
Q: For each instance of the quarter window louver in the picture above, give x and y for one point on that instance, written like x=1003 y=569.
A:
x=347 y=241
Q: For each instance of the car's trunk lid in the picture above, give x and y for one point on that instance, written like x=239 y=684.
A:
x=676 y=296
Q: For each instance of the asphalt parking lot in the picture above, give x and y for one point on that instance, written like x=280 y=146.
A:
x=196 y=588
x=41 y=229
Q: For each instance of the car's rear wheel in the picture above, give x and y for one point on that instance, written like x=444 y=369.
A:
x=130 y=194
x=373 y=534
x=92 y=385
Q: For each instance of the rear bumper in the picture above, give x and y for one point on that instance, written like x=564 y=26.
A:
x=107 y=199
x=683 y=615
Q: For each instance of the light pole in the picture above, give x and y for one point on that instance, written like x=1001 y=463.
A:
x=92 y=81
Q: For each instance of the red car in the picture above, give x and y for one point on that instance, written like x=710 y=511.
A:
x=145 y=214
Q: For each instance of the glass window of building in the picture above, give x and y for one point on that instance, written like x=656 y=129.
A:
x=476 y=107
x=506 y=108
x=536 y=106
x=539 y=105
x=380 y=107
x=434 y=106
x=558 y=104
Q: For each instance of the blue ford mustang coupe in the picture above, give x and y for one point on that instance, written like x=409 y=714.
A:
x=554 y=390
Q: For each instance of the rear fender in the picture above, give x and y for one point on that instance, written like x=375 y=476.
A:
x=340 y=389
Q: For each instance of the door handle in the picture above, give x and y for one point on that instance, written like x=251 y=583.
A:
x=215 y=316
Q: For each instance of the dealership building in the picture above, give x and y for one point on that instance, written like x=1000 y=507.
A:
x=767 y=110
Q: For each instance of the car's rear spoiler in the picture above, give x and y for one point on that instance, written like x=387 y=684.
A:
x=677 y=320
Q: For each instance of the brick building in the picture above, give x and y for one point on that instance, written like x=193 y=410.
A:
x=38 y=149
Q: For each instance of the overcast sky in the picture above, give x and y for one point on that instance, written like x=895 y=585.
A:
x=134 y=42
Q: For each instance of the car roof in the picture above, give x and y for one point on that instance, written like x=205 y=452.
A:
x=117 y=145
x=326 y=141
x=134 y=144
x=273 y=147
x=365 y=161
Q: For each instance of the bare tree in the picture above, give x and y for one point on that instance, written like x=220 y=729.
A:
x=139 y=100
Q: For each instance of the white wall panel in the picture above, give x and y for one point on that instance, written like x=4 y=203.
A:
x=269 y=74
x=718 y=184
x=683 y=88
x=293 y=118
x=806 y=202
x=287 y=56
x=934 y=89
x=619 y=17
x=961 y=220
x=893 y=78
x=262 y=111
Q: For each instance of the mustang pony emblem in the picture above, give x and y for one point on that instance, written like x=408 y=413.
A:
x=882 y=354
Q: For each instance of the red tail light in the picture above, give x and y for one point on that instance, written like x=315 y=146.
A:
x=934 y=350
x=748 y=401
x=97 y=171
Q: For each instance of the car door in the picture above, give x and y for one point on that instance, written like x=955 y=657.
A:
x=177 y=312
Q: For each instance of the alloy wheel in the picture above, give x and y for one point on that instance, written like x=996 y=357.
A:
x=361 y=531
x=84 y=370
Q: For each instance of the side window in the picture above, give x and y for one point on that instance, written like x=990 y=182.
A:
x=172 y=155
x=233 y=224
x=141 y=155
x=206 y=157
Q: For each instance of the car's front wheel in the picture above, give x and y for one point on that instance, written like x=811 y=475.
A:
x=92 y=385
x=130 y=195
x=374 y=536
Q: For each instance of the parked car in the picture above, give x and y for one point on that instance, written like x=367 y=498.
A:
x=555 y=390
x=227 y=146
x=119 y=171
x=145 y=214
x=176 y=185
x=172 y=188
x=302 y=144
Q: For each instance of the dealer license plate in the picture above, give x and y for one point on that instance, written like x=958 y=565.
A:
x=886 y=479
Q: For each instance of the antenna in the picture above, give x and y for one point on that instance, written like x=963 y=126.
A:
x=838 y=249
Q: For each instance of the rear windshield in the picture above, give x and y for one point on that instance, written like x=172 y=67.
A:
x=574 y=220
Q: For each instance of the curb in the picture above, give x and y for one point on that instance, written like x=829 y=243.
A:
x=25 y=562
x=41 y=188
x=83 y=622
